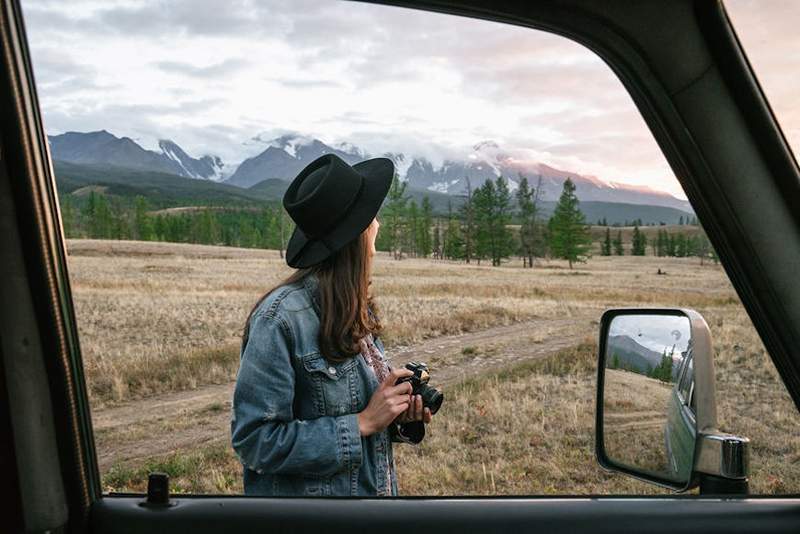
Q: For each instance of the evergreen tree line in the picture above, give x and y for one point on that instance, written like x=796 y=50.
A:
x=480 y=230
x=679 y=245
x=662 y=371
x=491 y=225
x=682 y=221
x=102 y=217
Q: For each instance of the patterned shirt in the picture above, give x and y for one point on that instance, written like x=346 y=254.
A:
x=381 y=369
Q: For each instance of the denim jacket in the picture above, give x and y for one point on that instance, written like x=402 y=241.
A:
x=294 y=419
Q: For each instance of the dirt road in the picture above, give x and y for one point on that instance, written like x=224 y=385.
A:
x=159 y=425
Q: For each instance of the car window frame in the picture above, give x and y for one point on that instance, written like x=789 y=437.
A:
x=46 y=251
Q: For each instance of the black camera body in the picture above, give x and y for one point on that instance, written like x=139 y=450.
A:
x=432 y=398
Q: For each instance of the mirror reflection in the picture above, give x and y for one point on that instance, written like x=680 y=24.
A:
x=648 y=405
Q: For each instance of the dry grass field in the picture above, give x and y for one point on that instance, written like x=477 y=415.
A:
x=635 y=410
x=159 y=328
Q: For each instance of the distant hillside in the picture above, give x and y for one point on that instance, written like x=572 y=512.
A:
x=619 y=213
x=269 y=189
x=167 y=190
x=632 y=354
x=274 y=188
x=444 y=182
x=104 y=148
x=160 y=189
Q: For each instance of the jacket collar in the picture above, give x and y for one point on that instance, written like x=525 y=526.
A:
x=311 y=284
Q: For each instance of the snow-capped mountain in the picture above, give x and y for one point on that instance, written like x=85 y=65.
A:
x=488 y=161
x=207 y=167
x=102 y=147
x=286 y=156
x=283 y=157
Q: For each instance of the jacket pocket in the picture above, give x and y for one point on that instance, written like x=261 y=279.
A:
x=335 y=384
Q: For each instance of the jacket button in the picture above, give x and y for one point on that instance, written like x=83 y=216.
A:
x=332 y=370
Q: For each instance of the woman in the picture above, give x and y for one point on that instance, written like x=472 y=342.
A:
x=316 y=407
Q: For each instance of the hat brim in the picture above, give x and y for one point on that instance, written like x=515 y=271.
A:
x=302 y=252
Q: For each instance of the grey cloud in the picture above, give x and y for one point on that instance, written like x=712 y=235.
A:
x=58 y=76
x=204 y=17
x=306 y=84
x=498 y=65
x=227 y=66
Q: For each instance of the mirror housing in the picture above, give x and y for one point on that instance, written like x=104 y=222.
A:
x=720 y=462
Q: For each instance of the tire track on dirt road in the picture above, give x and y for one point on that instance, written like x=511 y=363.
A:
x=189 y=419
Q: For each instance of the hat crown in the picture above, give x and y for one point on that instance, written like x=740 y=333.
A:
x=322 y=194
x=311 y=182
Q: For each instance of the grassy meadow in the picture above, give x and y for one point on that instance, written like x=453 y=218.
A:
x=159 y=319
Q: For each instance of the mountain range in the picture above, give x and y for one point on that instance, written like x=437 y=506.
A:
x=104 y=148
x=634 y=355
x=286 y=155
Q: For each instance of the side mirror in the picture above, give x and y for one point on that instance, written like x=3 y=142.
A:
x=656 y=407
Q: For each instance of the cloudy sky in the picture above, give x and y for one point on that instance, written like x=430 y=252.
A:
x=656 y=332
x=223 y=77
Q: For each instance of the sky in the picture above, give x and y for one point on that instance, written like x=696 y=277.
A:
x=224 y=78
x=656 y=332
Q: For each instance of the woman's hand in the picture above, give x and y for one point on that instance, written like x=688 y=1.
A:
x=415 y=412
x=388 y=402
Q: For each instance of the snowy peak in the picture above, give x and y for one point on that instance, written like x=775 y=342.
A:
x=104 y=148
x=285 y=156
x=289 y=143
x=205 y=168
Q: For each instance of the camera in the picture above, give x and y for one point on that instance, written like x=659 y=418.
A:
x=432 y=398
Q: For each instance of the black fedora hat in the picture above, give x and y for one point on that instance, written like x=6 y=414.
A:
x=331 y=203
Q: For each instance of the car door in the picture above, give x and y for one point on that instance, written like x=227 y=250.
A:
x=684 y=70
x=680 y=431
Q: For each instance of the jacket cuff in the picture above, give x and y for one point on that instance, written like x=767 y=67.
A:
x=349 y=441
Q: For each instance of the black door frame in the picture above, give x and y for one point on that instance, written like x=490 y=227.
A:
x=683 y=72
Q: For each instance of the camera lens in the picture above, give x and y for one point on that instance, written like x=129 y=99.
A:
x=432 y=398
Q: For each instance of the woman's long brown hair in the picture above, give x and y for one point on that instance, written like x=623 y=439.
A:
x=347 y=309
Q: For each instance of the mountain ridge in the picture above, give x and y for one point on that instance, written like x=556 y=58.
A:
x=104 y=148
x=284 y=156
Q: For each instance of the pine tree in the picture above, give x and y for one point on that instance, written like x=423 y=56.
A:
x=468 y=215
x=482 y=200
x=437 y=240
x=681 y=246
x=618 y=250
x=412 y=237
x=639 y=242
x=98 y=215
x=661 y=242
x=504 y=240
x=394 y=215
x=285 y=229
x=569 y=236
x=703 y=248
x=527 y=201
x=663 y=371
x=492 y=211
x=68 y=217
x=605 y=248
x=425 y=222
x=671 y=245
x=143 y=225
x=454 y=247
